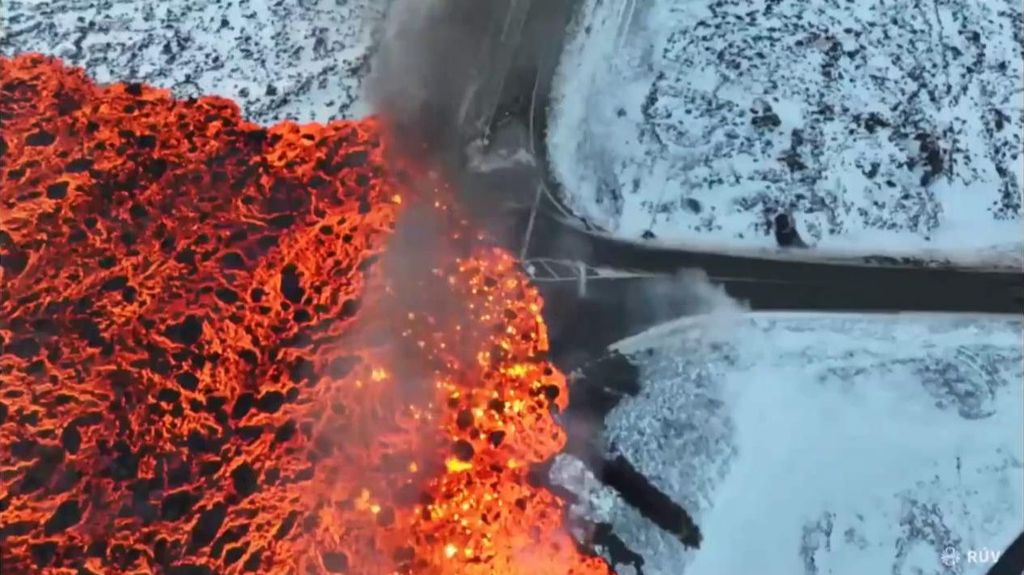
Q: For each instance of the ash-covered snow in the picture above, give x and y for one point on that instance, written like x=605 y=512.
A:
x=822 y=443
x=885 y=126
x=303 y=60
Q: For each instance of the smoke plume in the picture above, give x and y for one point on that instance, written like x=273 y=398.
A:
x=428 y=60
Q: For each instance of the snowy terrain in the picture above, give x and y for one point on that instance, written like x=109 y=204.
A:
x=885 y=126
x=822 y=443
x=302 y=60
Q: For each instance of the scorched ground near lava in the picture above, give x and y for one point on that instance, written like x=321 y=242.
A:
x=184 y=389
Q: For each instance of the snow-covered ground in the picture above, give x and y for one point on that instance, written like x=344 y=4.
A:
x=885 y=126
x=822 y=443
x=302 y=60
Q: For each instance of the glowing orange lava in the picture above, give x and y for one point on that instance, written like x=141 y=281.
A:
x=186 y=385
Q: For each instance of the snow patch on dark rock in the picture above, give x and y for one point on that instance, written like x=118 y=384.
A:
x=302 y=60
x=883 y=126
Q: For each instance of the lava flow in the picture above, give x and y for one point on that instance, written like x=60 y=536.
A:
x=204 y=370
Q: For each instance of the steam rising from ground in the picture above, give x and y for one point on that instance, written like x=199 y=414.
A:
x=687 y=293
x=425 y=60
x=435 y=80
x=428 y=59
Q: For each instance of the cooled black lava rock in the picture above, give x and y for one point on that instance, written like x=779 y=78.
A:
x=335 y=562
x=208 y=524
x=785 y=232
x=463 y=450
x=176 y=505
x=67 y=514
x=245 y=480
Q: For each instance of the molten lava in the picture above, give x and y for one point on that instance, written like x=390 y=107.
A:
x=203 y=371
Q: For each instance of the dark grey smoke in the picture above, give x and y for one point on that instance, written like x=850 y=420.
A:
x=442 y=69
x=431 y=56
x=432 y=60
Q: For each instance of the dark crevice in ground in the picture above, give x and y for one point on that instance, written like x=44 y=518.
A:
x=597 y=387
x=598 y=535
x=637 y=490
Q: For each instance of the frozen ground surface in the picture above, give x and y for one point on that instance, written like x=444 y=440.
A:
x=302 y=60
x=885 y=126
x=822 y=443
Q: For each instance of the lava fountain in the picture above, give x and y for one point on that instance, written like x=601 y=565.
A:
x=205 y=371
